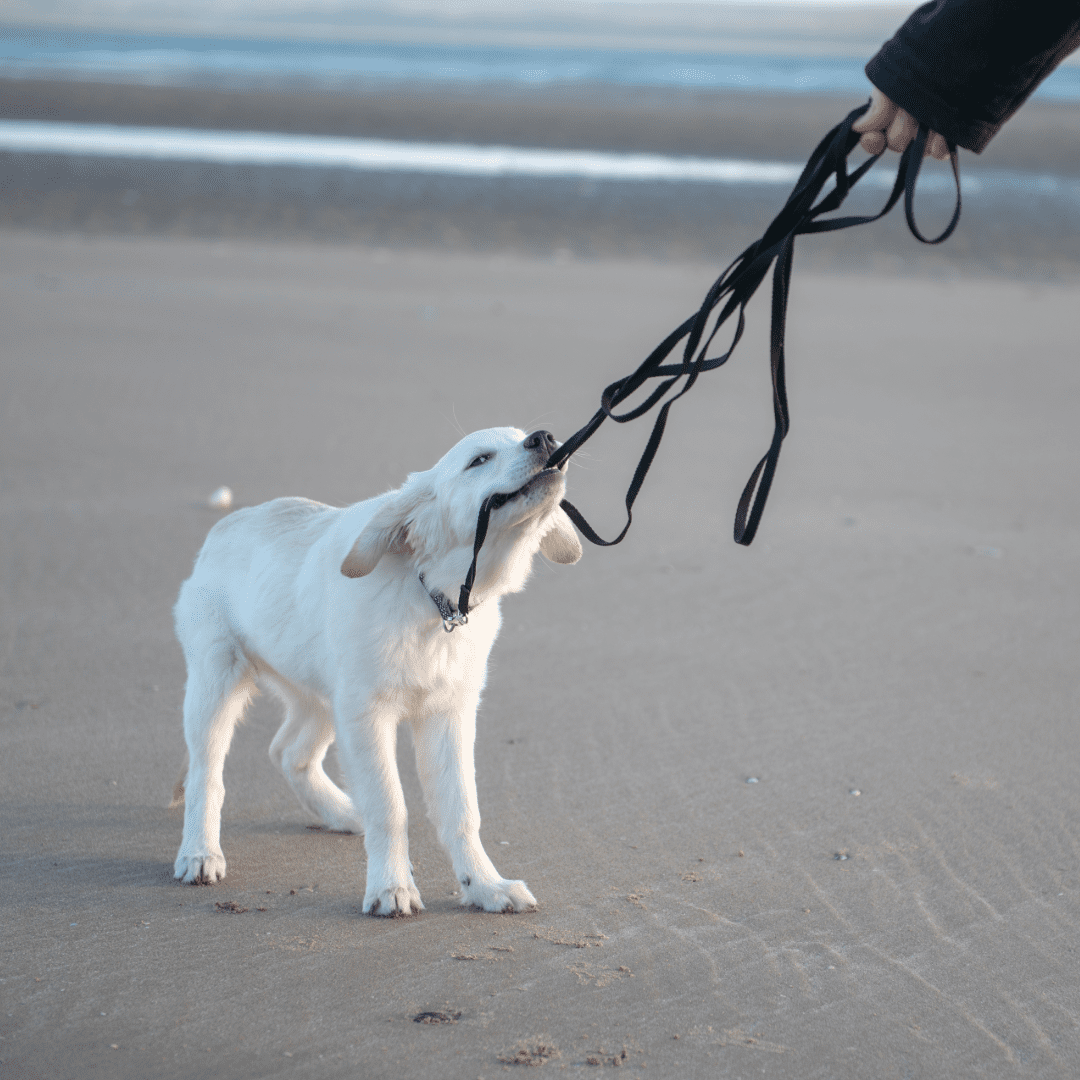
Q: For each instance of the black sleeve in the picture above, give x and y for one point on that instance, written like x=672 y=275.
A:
x=963 y=67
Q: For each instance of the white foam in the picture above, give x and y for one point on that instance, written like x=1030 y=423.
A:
x=377 y=155
x=464 y=159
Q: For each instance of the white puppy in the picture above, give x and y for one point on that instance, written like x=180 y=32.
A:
x=327 y=607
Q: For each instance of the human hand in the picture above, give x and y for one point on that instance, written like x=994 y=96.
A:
x=886 y=124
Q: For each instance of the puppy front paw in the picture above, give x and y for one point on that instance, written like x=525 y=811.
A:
x=498 y=895
x=199 y=869
x=393 y=901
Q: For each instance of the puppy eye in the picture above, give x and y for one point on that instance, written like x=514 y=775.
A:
x=479 y=460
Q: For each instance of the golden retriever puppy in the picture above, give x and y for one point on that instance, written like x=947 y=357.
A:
x=348 y=616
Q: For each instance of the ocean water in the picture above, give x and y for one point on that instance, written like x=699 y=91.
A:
x=245 y=63
x=238 y=148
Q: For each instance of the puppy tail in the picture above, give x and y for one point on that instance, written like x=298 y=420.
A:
x=178 y=787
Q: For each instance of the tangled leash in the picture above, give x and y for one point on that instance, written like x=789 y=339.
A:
x=734 y=289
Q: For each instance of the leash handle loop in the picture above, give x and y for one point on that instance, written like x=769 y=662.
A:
x=916 y=148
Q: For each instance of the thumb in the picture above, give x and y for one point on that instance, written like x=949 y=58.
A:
x=879 y=116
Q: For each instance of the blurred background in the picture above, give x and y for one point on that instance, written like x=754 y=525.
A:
x=687 y=123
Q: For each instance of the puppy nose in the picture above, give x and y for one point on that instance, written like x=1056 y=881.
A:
x=543 y=441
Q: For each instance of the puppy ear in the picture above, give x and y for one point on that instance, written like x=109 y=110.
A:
x=387 y=533
x=560 y=543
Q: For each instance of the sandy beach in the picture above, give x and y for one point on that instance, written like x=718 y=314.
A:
x=804 y=811
x=893 y=663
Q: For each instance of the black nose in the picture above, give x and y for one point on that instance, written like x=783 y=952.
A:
x=541 y=441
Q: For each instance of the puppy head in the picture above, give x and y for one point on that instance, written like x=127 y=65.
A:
x=432 y=517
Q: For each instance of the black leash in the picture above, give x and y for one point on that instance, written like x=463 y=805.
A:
x=734 y=289
x=450 y=617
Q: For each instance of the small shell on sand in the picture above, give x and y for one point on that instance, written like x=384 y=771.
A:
x=221 y=499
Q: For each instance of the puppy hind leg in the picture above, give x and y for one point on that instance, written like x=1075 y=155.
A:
x=298 y=750
x=219 y=688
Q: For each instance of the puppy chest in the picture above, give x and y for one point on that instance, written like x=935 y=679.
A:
x=437 y=666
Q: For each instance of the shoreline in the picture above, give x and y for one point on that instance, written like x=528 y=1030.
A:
x=1016 y=231
x=821 y=28
x=1043 y=137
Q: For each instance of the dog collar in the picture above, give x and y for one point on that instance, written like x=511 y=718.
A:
x=450 y=617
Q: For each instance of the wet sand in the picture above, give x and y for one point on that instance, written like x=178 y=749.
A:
x=1023 y=230
x=904 y=627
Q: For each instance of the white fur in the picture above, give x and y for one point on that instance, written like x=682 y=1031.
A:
x=326 y=608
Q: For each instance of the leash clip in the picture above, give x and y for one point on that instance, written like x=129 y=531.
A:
x=450 y=618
